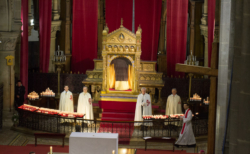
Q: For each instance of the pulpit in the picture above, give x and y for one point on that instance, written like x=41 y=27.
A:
x=121 y=72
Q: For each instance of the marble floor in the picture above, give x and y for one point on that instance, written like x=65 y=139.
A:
x=10 y=136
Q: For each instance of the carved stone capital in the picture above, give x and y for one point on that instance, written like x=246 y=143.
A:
x=55 y=26
x=204 y=30
x=217 y=34
x=204 y=19
x=9 y=40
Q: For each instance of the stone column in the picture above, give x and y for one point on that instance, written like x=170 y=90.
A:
x=55 y=13
x=162 y=42
x=55 y=26
x=36 y=14
x=64 y=39
x=29 y=18
x=101 y=22
x=224 y=67
x=7 y=47
x=161 y=57
x=204 y=31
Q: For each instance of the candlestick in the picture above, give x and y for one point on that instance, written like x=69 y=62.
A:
x=50 y=149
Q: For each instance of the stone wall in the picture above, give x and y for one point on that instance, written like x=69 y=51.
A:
x=10 y=29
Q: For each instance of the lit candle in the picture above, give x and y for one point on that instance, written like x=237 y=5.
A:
x=113 y=152
x=50 y=149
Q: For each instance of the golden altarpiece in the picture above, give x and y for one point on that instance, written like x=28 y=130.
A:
x=122 y=43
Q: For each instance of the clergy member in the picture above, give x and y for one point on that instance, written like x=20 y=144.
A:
x=173 y=105
x=143 y=106
x=186 y=137
x=85 y=104
x=66 y=100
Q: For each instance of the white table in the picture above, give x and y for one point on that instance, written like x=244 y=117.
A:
x=93 y=143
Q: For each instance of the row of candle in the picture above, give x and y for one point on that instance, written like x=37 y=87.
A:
x=195 y=97
x=33 y=96
x=165 y=116
x=50 y=111
x=70 y=114
x=206 y=102
x=48 y=93
x=28 y=107
x=155 y=117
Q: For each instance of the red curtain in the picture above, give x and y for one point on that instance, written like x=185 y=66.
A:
x=24 y=47
x=45 y=11
x=148 y=15
x=117 y=9
x=84 y=34
x=177 y=13
x=211 y=25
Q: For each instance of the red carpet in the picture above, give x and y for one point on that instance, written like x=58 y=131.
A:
x=140 y=151
x=117 y=111
x=39 y=149
x=44 y=149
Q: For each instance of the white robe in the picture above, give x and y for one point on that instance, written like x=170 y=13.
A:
x=84 y=106
x=173 y=106
x=147 y=109
x=186 y=136
x=66 y=102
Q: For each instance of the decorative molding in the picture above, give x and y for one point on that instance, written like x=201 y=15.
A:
x=9 y=40
x=148 y=67
x=55 y=26
x=151 y=77
x=204 y=30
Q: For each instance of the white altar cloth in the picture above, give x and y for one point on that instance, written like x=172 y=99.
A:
x=93 y=143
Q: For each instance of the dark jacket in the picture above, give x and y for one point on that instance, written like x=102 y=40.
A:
x=19 y=91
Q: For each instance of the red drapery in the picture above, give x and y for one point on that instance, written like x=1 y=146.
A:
x=45 y=11
x=211 y=25
x=148 y=15
x=117 y=9
x=177 y=12
x=24 y=47
x=84 y=35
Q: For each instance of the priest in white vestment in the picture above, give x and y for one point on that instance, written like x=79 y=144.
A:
x=143 y=106
x=66 y=100
x=186 y=137
x=85 y=104
x=173 y=105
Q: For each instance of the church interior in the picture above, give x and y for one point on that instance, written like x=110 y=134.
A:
x=124 y=76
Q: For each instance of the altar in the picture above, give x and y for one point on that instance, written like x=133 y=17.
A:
x=121 y=73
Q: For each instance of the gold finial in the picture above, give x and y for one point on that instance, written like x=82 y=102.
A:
x=121 y=22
